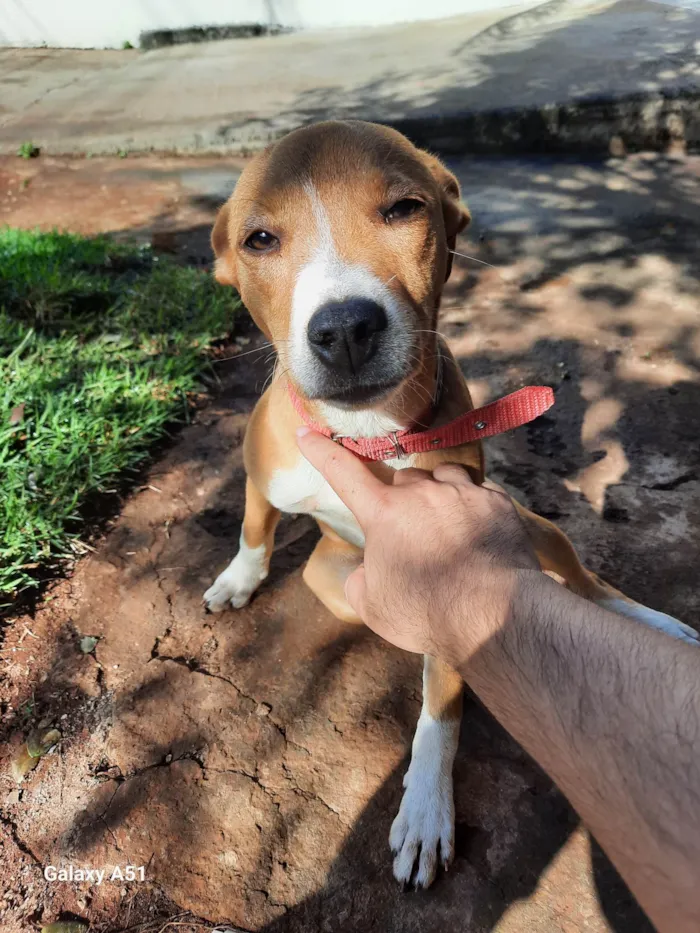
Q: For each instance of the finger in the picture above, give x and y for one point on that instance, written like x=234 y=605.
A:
x=409 y=476
x=355 y=591
x=359 y=488
x=494 y=487
x=452 y=473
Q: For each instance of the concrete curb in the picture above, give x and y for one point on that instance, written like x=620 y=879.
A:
x=163 y=38
x=655 y=122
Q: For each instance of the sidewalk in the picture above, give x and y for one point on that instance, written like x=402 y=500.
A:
x=566 y=75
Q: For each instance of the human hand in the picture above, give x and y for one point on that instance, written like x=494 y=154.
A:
x=442 y=555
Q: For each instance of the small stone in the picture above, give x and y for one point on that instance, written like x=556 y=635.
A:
x=22 y=764
x=41 y=741
x=263 y=709
x=88 y=643
x=617 y=147
x=65 y=926
x=109 y=773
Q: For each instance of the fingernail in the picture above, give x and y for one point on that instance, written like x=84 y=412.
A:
x=303 y=431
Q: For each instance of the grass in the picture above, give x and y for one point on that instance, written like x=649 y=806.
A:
x=101 y=347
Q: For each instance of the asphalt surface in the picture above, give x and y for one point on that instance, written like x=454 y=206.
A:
x=565 y=75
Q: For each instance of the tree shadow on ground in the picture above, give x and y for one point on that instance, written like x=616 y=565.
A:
x=600 y=242
x=499 y=861
x=493 y=95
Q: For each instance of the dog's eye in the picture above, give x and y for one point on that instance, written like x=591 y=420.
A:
x=261 y=240
x=403 y=208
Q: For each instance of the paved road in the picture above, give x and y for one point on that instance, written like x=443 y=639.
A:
x=507 y=79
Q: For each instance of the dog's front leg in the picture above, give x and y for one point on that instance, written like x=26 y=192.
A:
x=423 y=831
x=250 y=566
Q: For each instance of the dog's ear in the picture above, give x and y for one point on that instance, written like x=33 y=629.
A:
x=454 y=212
x=225 y=266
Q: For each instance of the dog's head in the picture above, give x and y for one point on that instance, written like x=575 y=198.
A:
x=338 y=238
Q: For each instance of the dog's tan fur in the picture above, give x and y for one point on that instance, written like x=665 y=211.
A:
x=355 y=169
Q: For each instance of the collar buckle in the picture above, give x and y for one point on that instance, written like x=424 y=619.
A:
x=399 y=452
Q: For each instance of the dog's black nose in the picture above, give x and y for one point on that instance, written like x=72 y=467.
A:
x=344 y=334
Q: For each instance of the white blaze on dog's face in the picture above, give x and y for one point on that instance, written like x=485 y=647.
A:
x=338 y=239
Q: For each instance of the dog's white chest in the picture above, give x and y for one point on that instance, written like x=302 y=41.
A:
x=303 y=490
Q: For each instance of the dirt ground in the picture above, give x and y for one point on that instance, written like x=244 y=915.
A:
x=252 y=763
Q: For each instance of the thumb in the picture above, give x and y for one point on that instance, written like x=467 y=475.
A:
x=355 y=591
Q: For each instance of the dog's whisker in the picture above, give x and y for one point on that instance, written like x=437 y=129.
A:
x=473 y=258
x=422 y=391
x=425 y=394
x=277 y=373
x=446 y=358
x=273 y=374
x=237 y=356
x=268 y=382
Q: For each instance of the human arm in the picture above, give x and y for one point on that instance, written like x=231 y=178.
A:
x=610 y=708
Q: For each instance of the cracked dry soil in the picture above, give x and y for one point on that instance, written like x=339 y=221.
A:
x=253 y=761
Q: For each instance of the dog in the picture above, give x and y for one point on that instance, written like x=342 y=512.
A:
x=340 y=238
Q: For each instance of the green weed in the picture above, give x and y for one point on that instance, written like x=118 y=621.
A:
x=28 y=151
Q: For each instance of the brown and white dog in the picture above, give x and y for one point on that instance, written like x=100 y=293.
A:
x=339 y=240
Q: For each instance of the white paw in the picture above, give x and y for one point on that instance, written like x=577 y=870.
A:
x=422 y=835
x=226 y=590
x=239 y=581
x=651 y=617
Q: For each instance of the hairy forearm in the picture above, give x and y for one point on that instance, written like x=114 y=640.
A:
x=611 y=710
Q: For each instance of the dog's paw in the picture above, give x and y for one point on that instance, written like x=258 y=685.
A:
x=422 y=835
x=225 y=591
x=239 y=581
x=651 y=617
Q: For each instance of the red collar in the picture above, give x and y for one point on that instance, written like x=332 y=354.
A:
x=504 y=414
